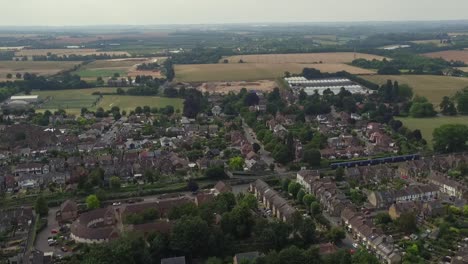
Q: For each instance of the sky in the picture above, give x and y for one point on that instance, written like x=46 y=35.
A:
x=155 y=12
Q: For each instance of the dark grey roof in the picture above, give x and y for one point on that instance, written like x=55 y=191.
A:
x=176 y=260
x=247 y=256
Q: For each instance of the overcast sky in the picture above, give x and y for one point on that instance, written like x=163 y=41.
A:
x=152 y=12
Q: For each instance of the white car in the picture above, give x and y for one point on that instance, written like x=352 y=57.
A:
x=117 y=204
x=355 y=245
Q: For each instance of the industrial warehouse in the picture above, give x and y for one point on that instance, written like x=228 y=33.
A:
x=321 y=85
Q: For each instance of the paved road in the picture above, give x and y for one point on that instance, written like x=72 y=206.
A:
x=264 y=154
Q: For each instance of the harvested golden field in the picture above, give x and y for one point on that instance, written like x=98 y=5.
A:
x=434 y=88
x=61 y=52
x=450 y=55
x=226 y=87
x=37 y=67
x=332 y=57
x=465 y=69
x=252 y=71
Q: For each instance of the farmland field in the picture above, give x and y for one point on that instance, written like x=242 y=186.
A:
x=226 y=87
x=107 y=68
x=74 y=99
x=431 y=41
x=252 y=71
x=105 y=72
x=434 y=88
x=37 y=67
x=129 y=103
x=60 y=52
x=449 y=55
x=335 y=57
x=427 y=125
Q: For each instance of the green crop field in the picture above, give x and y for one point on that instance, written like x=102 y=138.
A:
x=427 y=125
x=129 y=103
x=75 y=99
x=430 y=86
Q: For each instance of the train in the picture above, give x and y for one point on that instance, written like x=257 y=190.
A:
x=377 y=161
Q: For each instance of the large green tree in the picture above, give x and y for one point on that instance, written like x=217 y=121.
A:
x=294 y=188
x=421 y=107
x=41 y=206
x=450 y=138
x=92 y=202
x=407 y=223
x=236 y=163
x=462 y=101
x=189 y=235
x=447 y=106
x=312 y=157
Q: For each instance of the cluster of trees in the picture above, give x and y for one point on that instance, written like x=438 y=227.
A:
x=148 y=66
x=450 y=138
x=40 y=207
x=200 y=55
x=415 y=64
x=32 y=81
x=147 y=216
x=447 y=106
x=77 y=57
x=194 y=103
x=295 y=255
x=421 y=107
x=168 y=69
x=393 y=92
x=7 y=92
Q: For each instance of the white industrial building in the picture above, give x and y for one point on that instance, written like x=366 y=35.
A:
x=26 y=98
x=320 y=85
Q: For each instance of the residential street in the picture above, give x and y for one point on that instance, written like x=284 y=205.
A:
x=264 y=154
x=335 y=221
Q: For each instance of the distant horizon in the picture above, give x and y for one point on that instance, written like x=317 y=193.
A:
x=265 y=23
x=63 y=13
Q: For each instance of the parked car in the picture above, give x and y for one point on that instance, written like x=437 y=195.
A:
x=53 y=231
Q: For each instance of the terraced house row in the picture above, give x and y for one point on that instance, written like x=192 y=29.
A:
x=272 y=200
